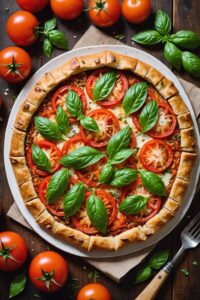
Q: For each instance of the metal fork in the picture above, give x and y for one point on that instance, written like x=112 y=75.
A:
x=190 y=238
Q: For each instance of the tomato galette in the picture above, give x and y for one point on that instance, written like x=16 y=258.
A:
x=102 y=150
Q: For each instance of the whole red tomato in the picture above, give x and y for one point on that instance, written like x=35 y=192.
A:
x=20 y=28
x=94 y=291
x=48 y=271
x=136 y=11
x=13 y=251
x=67 y=9
x=32 y=5
x=104 y=13
x=15 y=64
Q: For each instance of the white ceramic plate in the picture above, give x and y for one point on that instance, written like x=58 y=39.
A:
x=130 y=248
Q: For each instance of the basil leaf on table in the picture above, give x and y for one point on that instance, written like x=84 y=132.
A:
x=81 y=157
x=173 y=55
x=74 y=199
x=106 y=173
x=74 y=104
x=159 y=259
x=17 y=285
x=89 y=123
x=123 y=177
x=50 y=24
x=135 y=97
x=121 y=156
x=40 y=158
x=191 y=63
x=62 y=120
x=58 y=39
x=143 y=274
x=97 y=213
x=153 y=183
x=163 y=22
x=119 y=141
x=148 y=37
x=133 y=204
x=149 y=116
x=57 y=185
x=47 y=47
x=186 y=39
x=104 y=85
x=47 y=129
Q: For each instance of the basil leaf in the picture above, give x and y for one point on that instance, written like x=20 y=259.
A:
x=106 y=173
x=159 y=259
x=74 y=199
x=47 y=48
x=62 y=120
x=135 y=97
x=123 y=177
x=47 y=129
x=50 y=24
x=58 y=39
x=81 y=157
x=40 y=158
x=133 y=204
x=186 y=39
x=57 y=185
x=173 y=55
x=153 y=183
x=74 y=104
x=17 y=285
x=149 y=116
x=143 y=274
x=97 y=213
x=148 y=37
x=121 y=156
x=191 y=63
x=89 y=123
x=119 y=36
x=163 y=22
x=104 y=85
x=119 y=141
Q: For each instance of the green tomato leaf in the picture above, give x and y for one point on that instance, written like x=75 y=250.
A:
x=74 y=104
x=133 y=204
x=148 y=37
x=50 y=24
x=149 y=116
x=163 y=23
x=119 y=141
x=17 y=285
x=106 y=173
x=89 y=123
x=62 y=120
x=104 y=85
x=40 y=159
x=58 y=39
x=81 y=157
x=47 y=47
x=153 y=183
x=186 y=39
x=97 y=213
x=191 y=63
x=74 y=199
x=121 y=156
x=173 y=55
x=143 y=274
x=159 y=259
x=135 y=97
x=47 y=129
x=57 y=185
x=123 y=177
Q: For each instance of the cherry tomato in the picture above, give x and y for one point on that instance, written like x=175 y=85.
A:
x=104 y=13
x=94 y=291
x=15 y=64
x=136 y=11
x=21 y=27
x=67 y=9
x=108 y=126
x=48 y=271
x=118 y=92
x=156 y=156
x=81 y=220
x=33 y=5
x=13 y=251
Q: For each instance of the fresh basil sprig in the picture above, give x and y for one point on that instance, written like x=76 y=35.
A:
x=191 y=63
x=121 y=156
x=97 y=213
x=133 y=204
x=104 y=86
x=143 y=274
x=40 y=159
x=135 y=97
x=159 y=259
x=17 y=285
x=119 y=141
x=74 y=199
x=153 y=183
x=148 y=37
x=173 y=55
x=186 y=39
x=123 y=177
x=163 y=23
x=62 y=120
x=47 y=129
x=57 y=185
x=149 y=116
x=106 y=173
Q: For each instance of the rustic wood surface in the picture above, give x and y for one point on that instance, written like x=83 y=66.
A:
x=185 y=15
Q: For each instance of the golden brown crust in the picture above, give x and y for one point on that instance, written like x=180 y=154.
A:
x=36 y=207
x=131 y=235
x=36 y=95
x=46 y=220
x=186 y=164
x=17 y=147
x=142 y=69
x=20 y=169
x=185 y=120
x=171 y=205
x=27 y=191
x=188 y=139
x=99 y=242
x=93 y=61
x=179 y=107
x=154 y=76
x=166 y=88
x=178 y=190
x=24 y=115
x=120 y=61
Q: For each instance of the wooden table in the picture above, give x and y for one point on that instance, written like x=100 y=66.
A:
x=185 y=15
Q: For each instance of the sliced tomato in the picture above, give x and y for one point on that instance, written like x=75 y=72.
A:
x=47 y=112
x=54 y=154
x=118 y=92
x=72 y=144
x=81 y=220
x=119 y=224
x=59 y=98
x=156 y=156
x=108 y=126
x=132 y=79
x=153 y=95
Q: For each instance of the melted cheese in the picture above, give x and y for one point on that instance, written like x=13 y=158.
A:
x=142 y=139
x=166 y=177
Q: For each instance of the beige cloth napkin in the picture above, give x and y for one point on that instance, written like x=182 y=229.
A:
x=116 y=268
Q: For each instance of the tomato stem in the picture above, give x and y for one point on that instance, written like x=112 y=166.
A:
x=5 y=252
x=48 y=278
x=99 y=6
x=13 y=67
